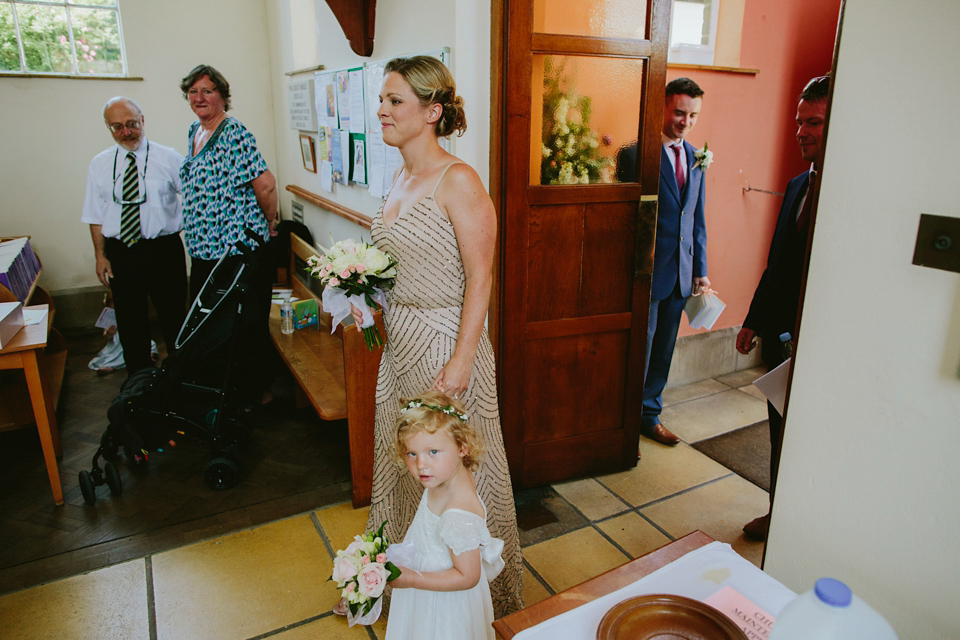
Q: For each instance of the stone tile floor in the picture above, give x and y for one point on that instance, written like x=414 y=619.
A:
x=270 y=580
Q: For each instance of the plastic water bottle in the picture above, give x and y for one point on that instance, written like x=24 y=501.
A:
x=286 y=317
x=786 y=346
x=830 y=611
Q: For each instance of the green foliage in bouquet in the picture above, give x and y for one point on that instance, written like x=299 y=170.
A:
x=571 y=149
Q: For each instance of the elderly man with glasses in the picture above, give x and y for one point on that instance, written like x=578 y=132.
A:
x=133 y=209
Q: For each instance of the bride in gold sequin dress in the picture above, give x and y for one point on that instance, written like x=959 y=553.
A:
x=440 y=224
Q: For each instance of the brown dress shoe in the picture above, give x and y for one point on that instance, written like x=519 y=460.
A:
x=757 y=528
x=659 y=433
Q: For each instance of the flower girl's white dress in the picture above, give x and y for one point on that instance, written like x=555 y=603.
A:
x=446 y=615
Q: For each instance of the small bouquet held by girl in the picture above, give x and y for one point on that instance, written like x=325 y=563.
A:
x=361 y=571
x=358 y=273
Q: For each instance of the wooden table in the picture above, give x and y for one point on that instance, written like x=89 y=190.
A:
x=625 y=574
x=25 y=351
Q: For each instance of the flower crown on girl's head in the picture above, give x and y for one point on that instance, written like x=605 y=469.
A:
x=431 y=412
x=450 y=410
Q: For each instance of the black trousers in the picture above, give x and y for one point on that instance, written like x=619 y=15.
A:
x=150 y=268
x=771 y=351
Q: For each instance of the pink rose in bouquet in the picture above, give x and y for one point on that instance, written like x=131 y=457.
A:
x=344 y=569
x=372 y=579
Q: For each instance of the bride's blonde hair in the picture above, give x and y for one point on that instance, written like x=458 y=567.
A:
x=432 y=82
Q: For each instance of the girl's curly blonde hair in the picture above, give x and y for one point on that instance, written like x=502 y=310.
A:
x=433 y=411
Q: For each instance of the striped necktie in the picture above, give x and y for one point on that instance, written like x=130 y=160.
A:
x=130 y=214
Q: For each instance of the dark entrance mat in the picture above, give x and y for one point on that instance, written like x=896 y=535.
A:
x=745 y=451
x=294 y=463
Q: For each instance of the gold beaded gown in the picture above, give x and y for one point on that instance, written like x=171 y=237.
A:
x=422 y=323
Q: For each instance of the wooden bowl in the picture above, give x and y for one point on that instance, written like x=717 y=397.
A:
x=666 y=617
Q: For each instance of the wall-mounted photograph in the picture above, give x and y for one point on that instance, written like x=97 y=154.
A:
x=306 y=150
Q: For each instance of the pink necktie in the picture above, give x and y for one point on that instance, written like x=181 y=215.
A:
x=678 y=166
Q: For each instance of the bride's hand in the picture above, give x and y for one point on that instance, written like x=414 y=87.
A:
x=454 y=378
x=357 y=316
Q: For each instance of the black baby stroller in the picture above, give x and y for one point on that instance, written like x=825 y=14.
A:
x=197 y=392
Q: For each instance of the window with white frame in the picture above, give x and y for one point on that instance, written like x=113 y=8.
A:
x=693 y=31
x=61 y=37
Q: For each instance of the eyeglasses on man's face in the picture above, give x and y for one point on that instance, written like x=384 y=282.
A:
x=117 y=127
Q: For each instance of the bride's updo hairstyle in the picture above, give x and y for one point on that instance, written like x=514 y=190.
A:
x=432 y=82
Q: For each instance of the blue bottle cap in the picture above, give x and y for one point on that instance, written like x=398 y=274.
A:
x=833 y=592
x=785 y=336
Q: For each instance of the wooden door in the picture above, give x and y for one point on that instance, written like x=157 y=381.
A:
x=576 y=259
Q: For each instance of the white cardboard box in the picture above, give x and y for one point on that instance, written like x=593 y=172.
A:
x=11 y=321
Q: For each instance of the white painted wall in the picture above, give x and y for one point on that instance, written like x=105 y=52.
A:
x=58 y=129
x=51 y=128
x=869 y=482
x=401 y=28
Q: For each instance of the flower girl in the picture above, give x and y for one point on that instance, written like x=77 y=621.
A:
x=443 y=589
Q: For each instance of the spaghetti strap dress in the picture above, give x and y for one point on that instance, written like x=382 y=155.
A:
x=422 y=322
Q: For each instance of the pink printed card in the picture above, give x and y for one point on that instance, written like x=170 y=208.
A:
x=754 y=621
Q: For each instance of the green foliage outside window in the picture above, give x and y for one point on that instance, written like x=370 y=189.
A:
x=61 y=38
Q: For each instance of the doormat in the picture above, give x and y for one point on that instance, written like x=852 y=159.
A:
x=745 y=451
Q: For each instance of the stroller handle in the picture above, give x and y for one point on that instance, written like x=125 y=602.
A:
x=253 y=235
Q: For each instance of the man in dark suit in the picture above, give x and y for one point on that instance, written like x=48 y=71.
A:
x=773 y=311
x=680 y=258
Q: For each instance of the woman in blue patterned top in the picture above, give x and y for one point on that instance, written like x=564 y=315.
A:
x=227 y=186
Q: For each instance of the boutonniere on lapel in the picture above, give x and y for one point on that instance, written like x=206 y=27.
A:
x=703 y=157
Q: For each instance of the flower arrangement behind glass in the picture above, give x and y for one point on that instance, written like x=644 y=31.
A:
x=354 y=273
x=361 y=572
x=571 y=149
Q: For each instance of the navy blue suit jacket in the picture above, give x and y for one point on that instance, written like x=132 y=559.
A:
x=681 y=252
x=773 y=309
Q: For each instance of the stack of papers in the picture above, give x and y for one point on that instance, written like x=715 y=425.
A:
x=703 y=309
x=19 y=267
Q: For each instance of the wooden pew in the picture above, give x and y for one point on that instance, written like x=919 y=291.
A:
x=336 y=372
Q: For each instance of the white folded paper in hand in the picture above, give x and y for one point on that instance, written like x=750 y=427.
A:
x=703 y=309
x=773 y=385
x=337 y=302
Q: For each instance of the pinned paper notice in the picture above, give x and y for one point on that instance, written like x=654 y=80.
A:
x=752 y=620
x=774 y=385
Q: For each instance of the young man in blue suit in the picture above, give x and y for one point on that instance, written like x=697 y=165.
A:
x=775 y=306
x=680 y=258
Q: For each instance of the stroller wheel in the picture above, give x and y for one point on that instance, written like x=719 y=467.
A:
x=221 y=473
x=113 y=479
x=87 y=488
x=109 y=447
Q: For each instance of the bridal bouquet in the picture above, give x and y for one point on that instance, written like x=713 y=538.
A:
x=358 y=273
x=361 y=571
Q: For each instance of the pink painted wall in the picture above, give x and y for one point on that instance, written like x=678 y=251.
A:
x=748 y=122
